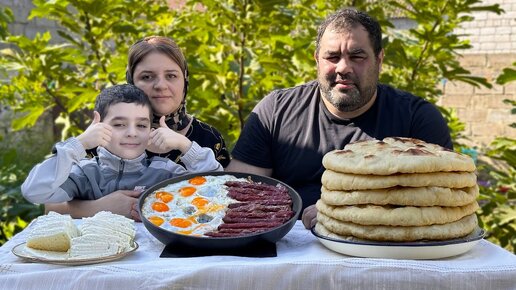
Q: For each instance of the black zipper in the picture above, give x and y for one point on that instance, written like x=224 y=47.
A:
x=120 y=173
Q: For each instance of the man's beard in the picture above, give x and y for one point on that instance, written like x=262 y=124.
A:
x=346 y=100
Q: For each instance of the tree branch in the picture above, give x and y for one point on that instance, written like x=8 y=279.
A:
x=422 y=56
x=241 y=70
x=95 y=48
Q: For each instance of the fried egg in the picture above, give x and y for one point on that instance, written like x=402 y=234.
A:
x=190 y=207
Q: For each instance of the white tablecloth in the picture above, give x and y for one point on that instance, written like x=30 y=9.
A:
x=302 y=263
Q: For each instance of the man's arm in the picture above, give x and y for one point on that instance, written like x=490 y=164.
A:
x=430 y=126
x=75 y=208
x=119 y=202
x=238 y=166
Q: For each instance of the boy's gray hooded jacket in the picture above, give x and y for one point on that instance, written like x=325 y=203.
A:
x=68 y=175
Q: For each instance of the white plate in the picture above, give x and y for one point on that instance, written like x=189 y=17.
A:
x=402 y=250
x=32 y=255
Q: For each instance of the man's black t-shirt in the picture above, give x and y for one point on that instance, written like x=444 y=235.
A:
x=290 y=130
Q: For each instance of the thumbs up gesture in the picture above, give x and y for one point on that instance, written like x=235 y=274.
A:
x=97 y=134
x=164 y=139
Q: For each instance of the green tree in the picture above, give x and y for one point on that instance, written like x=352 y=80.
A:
x=6 y=16
x=237 y=50
x=498 y=193
x=420 y=59
x=63 y=79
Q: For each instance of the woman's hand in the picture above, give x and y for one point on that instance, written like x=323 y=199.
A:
x=164 y=139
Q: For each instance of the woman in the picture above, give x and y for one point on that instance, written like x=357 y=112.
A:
x=157 y=66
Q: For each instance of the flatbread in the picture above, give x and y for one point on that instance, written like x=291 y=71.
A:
x=415 y=196
x=396 y=216
x=447 y=231
x=323 y=231
x=396 y=155
x=345 y=181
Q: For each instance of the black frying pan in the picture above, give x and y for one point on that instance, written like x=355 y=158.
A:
x=271 y=235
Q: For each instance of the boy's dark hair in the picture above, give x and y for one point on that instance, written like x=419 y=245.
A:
x=349 y=18
x=125 y=93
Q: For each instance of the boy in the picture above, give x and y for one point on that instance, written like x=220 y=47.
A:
x=121 y=129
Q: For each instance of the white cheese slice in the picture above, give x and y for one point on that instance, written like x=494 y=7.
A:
x=52 y=232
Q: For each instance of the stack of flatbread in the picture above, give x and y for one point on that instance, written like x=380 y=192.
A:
x=397 y=189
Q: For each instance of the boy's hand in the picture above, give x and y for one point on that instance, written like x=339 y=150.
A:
x=164 y=139
x=97 y=134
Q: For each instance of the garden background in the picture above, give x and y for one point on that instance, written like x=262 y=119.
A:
x=237 y=52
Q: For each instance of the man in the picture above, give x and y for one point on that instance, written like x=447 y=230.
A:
x=290 y=130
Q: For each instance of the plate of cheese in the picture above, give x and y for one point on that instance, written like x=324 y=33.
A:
x=56 y=239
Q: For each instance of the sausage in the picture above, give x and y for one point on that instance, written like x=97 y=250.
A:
x=249 y=225
x=259 y=186
x=259 y=214
x=260 y=207
x=247 y=197
x=251 y=220
x=234 y=232
x=258 y=192
x=244 y=206
x=275 y=202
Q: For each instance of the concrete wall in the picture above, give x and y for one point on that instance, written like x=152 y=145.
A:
x=492 y=33
x=21 y=9
x=493 y=38
x=482 y=109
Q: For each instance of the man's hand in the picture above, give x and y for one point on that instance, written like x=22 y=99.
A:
x=309 y=216
x=134 y=213
x=97 y=134
x=121 y=202
x=164 y=139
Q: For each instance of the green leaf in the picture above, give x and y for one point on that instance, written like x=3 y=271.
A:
x=508 y=75
x=30 y=117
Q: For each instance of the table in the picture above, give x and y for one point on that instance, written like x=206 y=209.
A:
x=302 y=263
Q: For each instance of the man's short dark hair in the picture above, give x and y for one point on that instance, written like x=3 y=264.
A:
x=125 y=93
x=347 y=18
